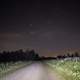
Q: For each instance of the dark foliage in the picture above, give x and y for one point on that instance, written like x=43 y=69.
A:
x=19 y=55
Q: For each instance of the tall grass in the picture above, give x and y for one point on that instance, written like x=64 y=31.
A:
x=6 y=68
x=69 y=70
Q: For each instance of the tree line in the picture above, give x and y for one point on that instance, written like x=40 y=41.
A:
x=68 y=55
x=27 y=55
x=18 y=55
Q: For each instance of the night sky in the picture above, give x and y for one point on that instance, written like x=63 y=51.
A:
x=44 y=26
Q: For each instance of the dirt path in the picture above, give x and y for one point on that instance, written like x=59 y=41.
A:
x=36 y=71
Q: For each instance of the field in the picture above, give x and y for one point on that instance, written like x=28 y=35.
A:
x=68 y=70
x=6 y=68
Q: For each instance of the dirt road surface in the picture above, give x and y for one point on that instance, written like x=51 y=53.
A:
x=35 y=71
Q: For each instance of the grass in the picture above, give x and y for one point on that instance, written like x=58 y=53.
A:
x=69 y=70
x=6 y=68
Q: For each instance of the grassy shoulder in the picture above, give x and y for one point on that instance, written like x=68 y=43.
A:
x=68 y=70
x=7 y=68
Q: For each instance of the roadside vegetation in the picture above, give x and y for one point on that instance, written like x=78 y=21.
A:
x=8 y=67
x=68 y=70
x=10 y=61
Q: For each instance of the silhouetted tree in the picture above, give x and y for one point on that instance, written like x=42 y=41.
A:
x=18 y=55
x=59 y=57
x=76 y=54
x=72 y=55
x=68 y=55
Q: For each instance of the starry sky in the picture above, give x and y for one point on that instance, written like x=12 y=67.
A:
x=44 y=26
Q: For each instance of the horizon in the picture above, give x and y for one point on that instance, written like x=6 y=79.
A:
x=45 y=26
x=50 y=53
